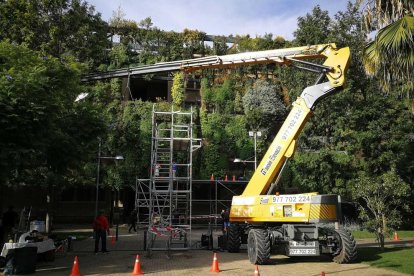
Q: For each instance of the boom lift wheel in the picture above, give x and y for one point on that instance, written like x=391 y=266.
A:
x=346 y=252
x=258 y=246
x=233 y=238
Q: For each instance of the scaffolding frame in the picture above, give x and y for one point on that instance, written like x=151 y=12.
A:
x=167 y=194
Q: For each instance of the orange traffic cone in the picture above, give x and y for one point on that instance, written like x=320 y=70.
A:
x=226 y=178
x=234 y=178
x=212 y=177
x=137 y=267
x=396 y=238
x=256 y=271
x=75 y=268
x=215 y=266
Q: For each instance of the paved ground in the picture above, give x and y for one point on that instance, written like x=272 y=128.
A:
x=121 y=258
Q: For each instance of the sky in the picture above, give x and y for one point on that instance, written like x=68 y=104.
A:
x=220 y=17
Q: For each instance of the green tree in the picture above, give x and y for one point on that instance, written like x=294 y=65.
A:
x=219 y=45
x=123 y=27
x=383 y=198
x=44 y=135
x=58 y=27
x=314 y=28
x=390 y=56
x=193 y=43
x=118 y=57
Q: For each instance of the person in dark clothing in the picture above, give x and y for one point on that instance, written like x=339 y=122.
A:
x=225 y=216
x=101 y=228
x=9 y=222
x=133 y=221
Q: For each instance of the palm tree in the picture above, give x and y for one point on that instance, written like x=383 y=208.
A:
x=390 y=56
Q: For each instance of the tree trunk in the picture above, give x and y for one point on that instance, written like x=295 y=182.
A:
x=383 y=231
x=381 y=240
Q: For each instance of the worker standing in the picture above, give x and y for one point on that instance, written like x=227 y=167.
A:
x=225 y=216
x=133 y=221
x=100 y=228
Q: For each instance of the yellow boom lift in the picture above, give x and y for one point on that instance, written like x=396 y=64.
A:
x=263 y=219
x=291 y=223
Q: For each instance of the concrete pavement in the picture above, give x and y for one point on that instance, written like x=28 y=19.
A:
x=121 y=259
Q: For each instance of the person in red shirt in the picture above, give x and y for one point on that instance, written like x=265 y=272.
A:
x=101 y=228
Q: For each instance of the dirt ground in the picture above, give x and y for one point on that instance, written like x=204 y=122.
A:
x=121 y=259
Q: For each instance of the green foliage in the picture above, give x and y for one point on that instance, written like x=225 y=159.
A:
x=323 y=171
x=178 y=89
x=58 y=27
x=39 y=130
x=218 y=98
x=246 y=43
x=219 y=45
x=263 y=106
x=383 y=197
x=193 y=42
x=224 y=97
x=118 y=56
x=129 y=135
x=205 y=94
x=313 y=28
x=377 y=143
x=390 y=56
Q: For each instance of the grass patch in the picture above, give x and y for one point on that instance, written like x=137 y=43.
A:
x=398 y=259
x=367 y=235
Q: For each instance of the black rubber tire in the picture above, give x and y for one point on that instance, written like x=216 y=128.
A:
x=233 y=238
x=347 y=252
x=258 y=246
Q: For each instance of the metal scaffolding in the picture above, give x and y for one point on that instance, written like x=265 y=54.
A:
x=164 y=200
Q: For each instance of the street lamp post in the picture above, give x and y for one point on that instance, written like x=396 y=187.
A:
x=255 y=134
x=118 y=157
x=97 y=179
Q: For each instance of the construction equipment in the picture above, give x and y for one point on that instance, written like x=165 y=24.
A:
x=265 y=220
x=165 y=202
x=259 y=217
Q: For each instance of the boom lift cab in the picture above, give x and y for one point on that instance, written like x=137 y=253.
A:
x=266 y=220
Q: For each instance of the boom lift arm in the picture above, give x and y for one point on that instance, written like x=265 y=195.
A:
x=283 y=146
x=279 y=56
